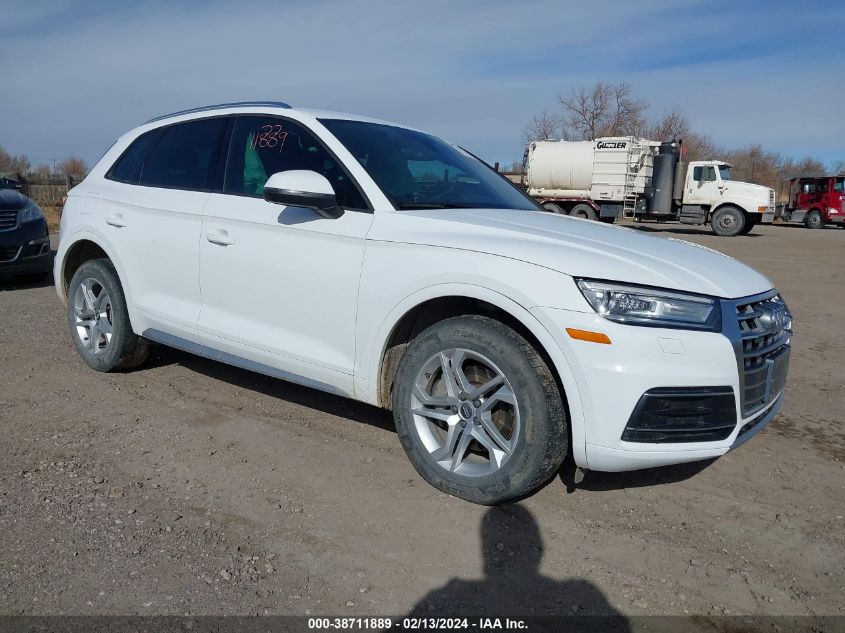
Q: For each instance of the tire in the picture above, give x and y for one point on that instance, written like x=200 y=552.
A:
x=814 y=220
x=96 y=300
x=527 y=430
x=750 y=223
x=554 y=208
x=727 y=221
x=583 y=211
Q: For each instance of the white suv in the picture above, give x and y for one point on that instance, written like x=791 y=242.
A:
x=371 y=260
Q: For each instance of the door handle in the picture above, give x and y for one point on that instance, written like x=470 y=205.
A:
x=116 y=220
x=219 y=237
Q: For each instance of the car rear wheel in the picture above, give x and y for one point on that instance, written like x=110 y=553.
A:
x=99 y=320
x=478 y=412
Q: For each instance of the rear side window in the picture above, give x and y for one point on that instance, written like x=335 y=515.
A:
x=186 y=156
x=127 y=168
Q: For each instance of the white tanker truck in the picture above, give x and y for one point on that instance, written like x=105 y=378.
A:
x=637 y=178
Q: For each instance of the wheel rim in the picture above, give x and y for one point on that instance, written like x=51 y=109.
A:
x=465 y=413
x=727 y=222
x=92 y=313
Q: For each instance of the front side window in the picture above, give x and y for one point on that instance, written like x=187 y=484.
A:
x=839 y=185
x=262 y=146
x=186 y=156
x=420 y=171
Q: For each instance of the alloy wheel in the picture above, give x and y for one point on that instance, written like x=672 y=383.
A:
x=92 y=312
x=465 y=413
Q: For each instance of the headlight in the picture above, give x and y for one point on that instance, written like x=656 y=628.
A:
x=31 y=212
x=636 y=305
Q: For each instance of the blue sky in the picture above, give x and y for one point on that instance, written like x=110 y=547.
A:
x=77 y=75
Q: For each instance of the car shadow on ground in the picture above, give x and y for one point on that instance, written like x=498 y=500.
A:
x=645 y=228
x=360 y=412
x=594 y=481
x=512 y=549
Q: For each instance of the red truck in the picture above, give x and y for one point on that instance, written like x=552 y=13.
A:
x=816 y=201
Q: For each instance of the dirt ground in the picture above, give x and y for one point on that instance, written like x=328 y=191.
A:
x=190 y=487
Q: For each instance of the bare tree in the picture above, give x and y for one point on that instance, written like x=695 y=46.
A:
x=542 y=127
x=14 y=164
x=603 y=110
x=42 y=170
x=72 y=166
x=672 y=126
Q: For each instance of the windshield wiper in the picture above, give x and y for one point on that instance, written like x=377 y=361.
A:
x=408 y=206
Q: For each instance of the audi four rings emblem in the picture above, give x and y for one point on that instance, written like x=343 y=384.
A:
x=774 y=317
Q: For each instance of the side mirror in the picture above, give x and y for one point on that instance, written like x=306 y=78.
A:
x=303 y=188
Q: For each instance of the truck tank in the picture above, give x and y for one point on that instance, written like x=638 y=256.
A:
x=663 y=180
x=566 y=165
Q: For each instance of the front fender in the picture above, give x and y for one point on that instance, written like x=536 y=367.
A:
x=372 y=343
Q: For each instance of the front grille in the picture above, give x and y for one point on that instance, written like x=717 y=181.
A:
x=772 y=199
x=8 y=219
x=765 y=330
x=8 y=253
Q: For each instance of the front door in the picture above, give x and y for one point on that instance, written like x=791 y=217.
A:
x=702 y=186
x=280 y=283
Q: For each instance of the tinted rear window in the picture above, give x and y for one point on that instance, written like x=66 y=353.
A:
x=186 y=156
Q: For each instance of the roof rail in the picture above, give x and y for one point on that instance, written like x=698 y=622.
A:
x=220 y=106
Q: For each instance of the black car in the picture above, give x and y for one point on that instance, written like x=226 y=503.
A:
x=24 y=238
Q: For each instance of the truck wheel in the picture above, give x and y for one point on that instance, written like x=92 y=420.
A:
x=554 y=208
x=750 y=223
x=99 y=320
x=583 y=211
x=478 y=411
x=814 y=220
x=727 y=221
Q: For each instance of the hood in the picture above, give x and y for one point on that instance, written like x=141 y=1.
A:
x=747 y=190
x=10 y=199
x=580 y=248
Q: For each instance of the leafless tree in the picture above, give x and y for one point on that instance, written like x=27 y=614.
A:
x=603 y=110
x=542 y=127
x=72 y=166
x=14 y=164
x=672 y=126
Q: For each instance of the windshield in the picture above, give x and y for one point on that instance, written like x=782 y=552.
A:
x=420 y=171
x=725 y=172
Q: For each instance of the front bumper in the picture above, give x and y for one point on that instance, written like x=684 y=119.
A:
x=612 y=380
x=25 y=249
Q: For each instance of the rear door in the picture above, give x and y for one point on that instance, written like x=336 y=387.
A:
x=280 y=283
x=151 y=211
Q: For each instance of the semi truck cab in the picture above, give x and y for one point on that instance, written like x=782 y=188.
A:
x=816 y=201
x=732 y=207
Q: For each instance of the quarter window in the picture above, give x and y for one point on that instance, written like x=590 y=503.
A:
x=262 y=146
x=128 y=166
x=186 y=156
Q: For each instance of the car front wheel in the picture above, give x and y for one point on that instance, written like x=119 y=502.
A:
x=478 y=411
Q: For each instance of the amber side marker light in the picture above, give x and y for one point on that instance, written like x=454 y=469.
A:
x=586 y=335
